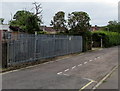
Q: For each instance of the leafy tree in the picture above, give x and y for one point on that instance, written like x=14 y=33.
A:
x=1 y=20
x=27 y=21
x=112 y=23
x=59 y=21
x=78 y=22
x=113 y=26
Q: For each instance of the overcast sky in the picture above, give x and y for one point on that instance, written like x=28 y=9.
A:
x=100 y=11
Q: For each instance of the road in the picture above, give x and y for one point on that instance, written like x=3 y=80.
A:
x=76 y=72
x=111 y=82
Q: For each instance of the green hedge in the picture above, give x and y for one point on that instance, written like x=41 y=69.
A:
x=109 y=38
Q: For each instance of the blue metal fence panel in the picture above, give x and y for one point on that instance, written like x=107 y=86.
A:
x=30 y=47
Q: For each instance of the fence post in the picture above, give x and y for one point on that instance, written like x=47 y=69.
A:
x=0 y=52
x=35 y=45
x=4 y=55
x=101 y=42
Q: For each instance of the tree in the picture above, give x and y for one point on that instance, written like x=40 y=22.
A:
x=78 y=22
x=1 y=20
x=38 y=10
x=27 y=21
x=112 y=23
x=59 y=21
x=113 y=26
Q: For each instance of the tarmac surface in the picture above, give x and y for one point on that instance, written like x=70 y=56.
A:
x=111 y=82
x=76 y=72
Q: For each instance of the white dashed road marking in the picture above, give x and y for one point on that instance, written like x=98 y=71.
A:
x=85 y=62
x=66 y=70
x=73 y=67
x=90 y=60
x=98 y=57
x=80 y=65
x=59 y=73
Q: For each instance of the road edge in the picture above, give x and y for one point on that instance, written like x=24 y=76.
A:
x=104 y=78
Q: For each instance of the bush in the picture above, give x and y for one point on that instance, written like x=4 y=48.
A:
x=87 y=40
x=42 y=32
x=109 y=38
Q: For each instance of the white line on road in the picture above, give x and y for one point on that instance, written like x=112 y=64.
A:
x=73 y=67
x=59 y=73
x=85 y=62
x=98 y=57
x=66 y=70
x=104 y=78
x=90 y=60
x=80 y=65
x=90 y=79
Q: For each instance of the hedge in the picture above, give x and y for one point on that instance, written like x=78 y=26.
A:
x=109 y=38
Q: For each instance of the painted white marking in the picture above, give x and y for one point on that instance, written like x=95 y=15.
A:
x=73 y=67
x=90 y=79
x=80 y=65
x=101 y=81
x=98 y=57
x=59 y=73
x=66 y=70
x=90 y=60
x=85 y=62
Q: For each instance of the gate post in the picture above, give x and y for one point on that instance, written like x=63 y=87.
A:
x=4 y=44
x=4 y=55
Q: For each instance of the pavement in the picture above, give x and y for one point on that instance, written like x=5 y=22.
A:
x=82 y=71
x=111 y=82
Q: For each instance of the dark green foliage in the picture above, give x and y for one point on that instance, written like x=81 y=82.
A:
x=87 y=40
x=26 y=21
x=41 y=32
x=109 y=38
x=1 y=20
x=32 y=24
x=78 y=22
x=113 y=26
x=59 y=21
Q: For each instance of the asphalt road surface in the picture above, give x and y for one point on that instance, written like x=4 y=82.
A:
x=76 y=72
x=111 y=82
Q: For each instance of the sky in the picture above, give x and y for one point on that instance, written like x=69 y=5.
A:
x=100 y=11
x=119 y=12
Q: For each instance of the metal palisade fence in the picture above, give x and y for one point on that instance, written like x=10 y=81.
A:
x=30 y=47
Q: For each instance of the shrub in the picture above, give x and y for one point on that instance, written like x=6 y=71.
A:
x=109 y=38
x=42 y=32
